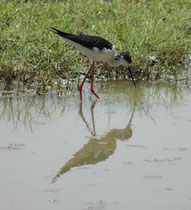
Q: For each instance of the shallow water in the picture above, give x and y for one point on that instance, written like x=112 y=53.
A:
x=129 y=150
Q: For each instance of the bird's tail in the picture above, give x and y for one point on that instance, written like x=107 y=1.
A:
x=61 y=33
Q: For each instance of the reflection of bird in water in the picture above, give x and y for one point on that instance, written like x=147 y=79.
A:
x=97 y=49
x=97 y=149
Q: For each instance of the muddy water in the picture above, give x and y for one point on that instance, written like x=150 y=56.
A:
x=129 y=150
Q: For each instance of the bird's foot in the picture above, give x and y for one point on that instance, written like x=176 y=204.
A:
x=92 y=90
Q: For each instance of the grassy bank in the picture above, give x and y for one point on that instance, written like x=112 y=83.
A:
x=156 y=33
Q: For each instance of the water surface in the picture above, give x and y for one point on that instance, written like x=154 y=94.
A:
x=130 y=149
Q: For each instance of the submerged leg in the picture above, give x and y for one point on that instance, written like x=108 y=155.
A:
x=92 y=82
x=81 y=86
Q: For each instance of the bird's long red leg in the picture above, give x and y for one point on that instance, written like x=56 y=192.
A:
x=92 y=82
x=81 y=86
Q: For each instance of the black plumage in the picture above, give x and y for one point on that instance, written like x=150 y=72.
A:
x=86 y=40
x=96 y=49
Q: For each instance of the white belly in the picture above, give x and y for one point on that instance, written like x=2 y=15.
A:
x=105 y=55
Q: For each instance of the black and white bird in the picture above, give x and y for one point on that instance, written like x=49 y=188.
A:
x=96 y=49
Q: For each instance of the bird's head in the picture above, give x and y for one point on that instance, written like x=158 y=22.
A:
x=125 y=60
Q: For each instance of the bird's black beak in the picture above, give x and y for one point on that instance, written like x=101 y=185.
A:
x=129 y=69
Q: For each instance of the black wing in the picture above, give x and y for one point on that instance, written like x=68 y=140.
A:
x=86 y=40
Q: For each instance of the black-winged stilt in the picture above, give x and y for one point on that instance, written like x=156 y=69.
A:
x=96 y=49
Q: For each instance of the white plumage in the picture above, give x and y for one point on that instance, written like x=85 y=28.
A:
x=96 y=49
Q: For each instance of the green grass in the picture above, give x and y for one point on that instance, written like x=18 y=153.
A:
x=156 y=33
